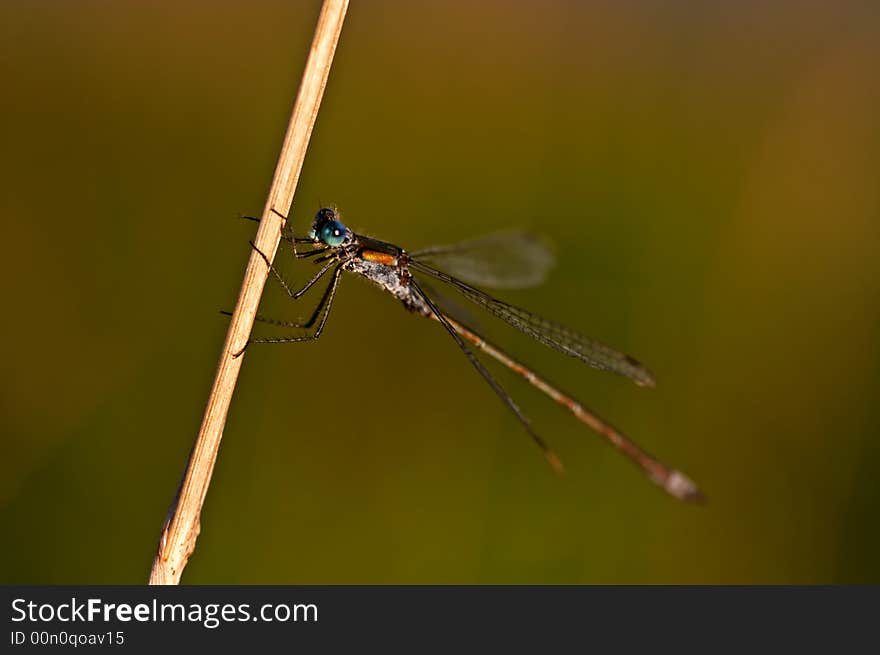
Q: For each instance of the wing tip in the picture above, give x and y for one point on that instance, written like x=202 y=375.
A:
x=646 y=380
x=640 y=373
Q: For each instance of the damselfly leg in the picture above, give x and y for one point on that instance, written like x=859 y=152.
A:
x=290 y=238
x=326 y=302
x=322 y=309
x=308 y=285
x=551 y=457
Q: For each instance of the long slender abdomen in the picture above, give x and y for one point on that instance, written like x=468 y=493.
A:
x=673 y=482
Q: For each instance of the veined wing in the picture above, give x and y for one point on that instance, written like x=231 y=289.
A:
x=452 y=307
x=505 y=260
x=559 y=337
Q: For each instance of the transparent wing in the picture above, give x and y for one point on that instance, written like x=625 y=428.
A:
x=565 y=340
x=505 y=260
x=453 y=307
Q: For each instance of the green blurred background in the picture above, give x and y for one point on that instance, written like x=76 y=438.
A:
x=709 y=174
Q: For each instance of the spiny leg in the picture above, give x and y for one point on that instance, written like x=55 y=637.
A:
x=325 y=258
x=293 y=239
x=670 y=480
x=259 y=318
x=289 y=324
x=325 y=303
x=294 y=294
x=551 y=457
x=290 y=238
x=308 y=253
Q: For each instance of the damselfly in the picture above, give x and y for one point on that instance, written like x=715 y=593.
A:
x=506 y=260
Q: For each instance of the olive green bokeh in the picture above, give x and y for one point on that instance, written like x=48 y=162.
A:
x=709 y=175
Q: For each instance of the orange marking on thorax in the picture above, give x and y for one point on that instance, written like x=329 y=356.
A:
x=379 y=257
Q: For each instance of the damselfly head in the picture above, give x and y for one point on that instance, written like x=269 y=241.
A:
x=328 y=229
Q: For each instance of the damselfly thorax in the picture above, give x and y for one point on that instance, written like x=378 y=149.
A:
x=387 y=266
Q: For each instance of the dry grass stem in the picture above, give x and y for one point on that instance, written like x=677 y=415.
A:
x=181 y=528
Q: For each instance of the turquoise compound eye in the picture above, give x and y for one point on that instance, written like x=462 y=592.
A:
x=333 y=233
